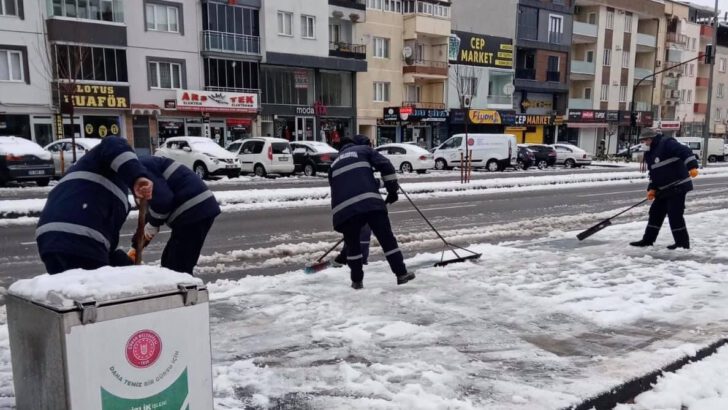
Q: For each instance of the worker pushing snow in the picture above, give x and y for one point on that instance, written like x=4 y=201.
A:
x=81 y=220
x=356 y=201
x=182 y=201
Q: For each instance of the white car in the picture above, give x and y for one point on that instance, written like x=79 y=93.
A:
x=408 y=157
x=263 y=155
x=202 y=155
x=571 y=156
x=62 y=152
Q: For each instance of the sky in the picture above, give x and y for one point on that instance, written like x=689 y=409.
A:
x=722 y=4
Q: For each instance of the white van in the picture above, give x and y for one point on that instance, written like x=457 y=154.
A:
x=495 y=152
x=715 y=147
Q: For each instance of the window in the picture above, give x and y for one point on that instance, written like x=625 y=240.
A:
x=556 y=28
x=308 y=27
x=394 y=6
x=590 y=56
x=334 y=33
x=691 y=70
x=381 y=92
x=469 y=86
x=413 y=93
x=610 y=20
x=605 y=92
x=104 y=10
x=230 y=75
x=607 y=57
x=11 y=65
x=292 y=86
x=625 y=59
x=587 y=93
x=721 y=90
x=717 y=114
x=592 y=18
x=8 y=8
x=622 y=93
x=721 y=65
x=528 y=23
x=627 y=23
x=690 y=96
x=162 y=18
x=91 y=63
x=375 y=4
x=336 y=88
x=252 y=147
x=285 y=23
x=223 y=18
x=682 y=95
x=552 y=69
x=381 y=47
x=165 y=75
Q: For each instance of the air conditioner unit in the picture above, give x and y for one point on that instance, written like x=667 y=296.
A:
x=675 y=94
x=669 y=103
x=467 y=100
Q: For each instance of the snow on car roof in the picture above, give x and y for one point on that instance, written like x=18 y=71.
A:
x=21 y=146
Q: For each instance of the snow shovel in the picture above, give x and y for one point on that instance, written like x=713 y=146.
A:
x=605 y=223
x=320 y=263
x=448 y=246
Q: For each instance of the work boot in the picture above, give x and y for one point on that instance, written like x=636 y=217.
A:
x=357 y=285
x=641 y=243
x=675 y=246
x=402 y=279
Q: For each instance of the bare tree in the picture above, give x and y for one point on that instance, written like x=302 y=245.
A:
x=465 y=79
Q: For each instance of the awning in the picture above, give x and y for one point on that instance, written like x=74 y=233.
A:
x=146 y=109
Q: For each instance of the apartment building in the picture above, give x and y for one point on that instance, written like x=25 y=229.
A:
x=614 y=53
x=543 y=42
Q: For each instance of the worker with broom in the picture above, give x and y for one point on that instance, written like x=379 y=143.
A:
x=81 y=220
x=182 y=201
x=356 y=201
x=671 y=166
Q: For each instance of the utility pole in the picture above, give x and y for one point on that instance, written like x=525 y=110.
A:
x=714 y=48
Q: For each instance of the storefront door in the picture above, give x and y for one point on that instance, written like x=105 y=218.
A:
x=305 y=129
x=42 y=130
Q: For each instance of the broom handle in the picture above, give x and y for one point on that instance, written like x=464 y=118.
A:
x=331 y=249
x=422 y=215
x=630 y=208
x=141 y=221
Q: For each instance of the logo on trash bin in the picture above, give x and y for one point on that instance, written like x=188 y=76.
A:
x=143 y=348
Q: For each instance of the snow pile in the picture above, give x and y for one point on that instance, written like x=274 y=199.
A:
x=20 y=147
x=698 y=386
x=102 y=285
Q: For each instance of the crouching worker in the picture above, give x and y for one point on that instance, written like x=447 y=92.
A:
x=80 y=223
x=182 y=201
x=356 y=201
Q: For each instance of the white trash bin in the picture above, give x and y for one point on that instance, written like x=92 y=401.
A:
x=132 y=338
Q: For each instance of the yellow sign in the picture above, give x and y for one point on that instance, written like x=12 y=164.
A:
x=59 y=126
x=114 y=129
x=89 y=128
x=97 y=96
x=484 y=117
x=103 y=131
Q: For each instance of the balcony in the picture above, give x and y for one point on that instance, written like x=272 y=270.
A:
x=504 y=100
x=640 y=73
x=702 y=82
x=427 y=69
x=553 y=76
x=351 y=4
x=230 y=43
x=426 y=18
x=646 y=43
x=555 y=37
x=700 y=108
x=677 y=39
x=674 y=56
x=582 y=70
x=346 y=50
x=581 y=103
x=424 y=105
x=706 y=31
x=525 y=73
x=584 y=33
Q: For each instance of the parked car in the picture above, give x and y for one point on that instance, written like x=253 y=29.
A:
x=495 y=152
x=408 y=157
x=526 y=158
x=62 y=152
x=545 y=155
x=24 y=160
x=202 y=155
x=263 y=155
x=571 y=156
x=715 y=147
x=311 y=157
x=634 y=153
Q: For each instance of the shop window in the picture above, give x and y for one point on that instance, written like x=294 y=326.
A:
x=291 y=86
x=15 y=125
x=336 y=88
x=230 y=74
x=11 y=65
x=165 y=75
x=162 y=18
x=103 y=10
x=9 y=7
x=91 y=63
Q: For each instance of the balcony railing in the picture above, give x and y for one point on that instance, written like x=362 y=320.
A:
x=352 y=4
x=581 y=103
x=555 y=37
x=553 y=76
x=525 y=74
x=641 y=106
x=640 y=73
x=427 y=67
x=583 y=67
x=347 y=50
x=230 y=43
x=677 y=38
x=427 y=105
x=646 y=40
x=585 y=29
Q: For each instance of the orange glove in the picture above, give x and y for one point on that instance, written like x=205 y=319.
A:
x=651 y=194
x=693 y=173
x=132 y=254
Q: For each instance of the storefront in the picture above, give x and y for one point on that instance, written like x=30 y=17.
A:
x=539 y=109
x=531 y=129
x=98 y=112
x=478 y=121
x=593 y=130
x=425 y=127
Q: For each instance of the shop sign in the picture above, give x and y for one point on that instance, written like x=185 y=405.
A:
x=96 y=96
x=215 y=101
x=589 y=116
x=239 y=122
x=668 y=125
x=426 y=115
x=170 y=104
x=391 y=114
x=58 y=118
x=318 y=109
x=484 y=117
x=644 y=118
x=529 y=120
x=480 y=50
x=100 y=127
x=301 y=79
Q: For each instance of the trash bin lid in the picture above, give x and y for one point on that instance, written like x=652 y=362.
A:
x=108 y=284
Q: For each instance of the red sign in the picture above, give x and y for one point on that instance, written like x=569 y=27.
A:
x=319 y=109
x=239 y=122
x=471 y=141
x=587 y=115
x=215 y=101
x=143 y=348
x=406 y=110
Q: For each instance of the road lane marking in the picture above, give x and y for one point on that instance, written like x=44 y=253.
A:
x=645 y=190
x=435 y=209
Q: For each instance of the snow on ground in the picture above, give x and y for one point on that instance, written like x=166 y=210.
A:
x=697 y=386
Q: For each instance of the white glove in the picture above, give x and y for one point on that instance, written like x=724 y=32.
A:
x=150 y=231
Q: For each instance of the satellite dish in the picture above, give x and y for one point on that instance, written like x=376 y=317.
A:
x=407 y=52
